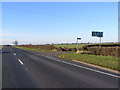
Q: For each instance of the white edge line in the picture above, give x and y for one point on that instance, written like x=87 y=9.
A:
x=20 y=61
x=85 y=67
x=14 y=53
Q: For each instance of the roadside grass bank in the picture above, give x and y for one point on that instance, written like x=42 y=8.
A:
x=104 y=61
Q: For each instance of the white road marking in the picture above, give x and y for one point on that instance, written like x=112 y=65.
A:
x=14 y=53
x=84 y=67
x=48 y=57
x=20 y=61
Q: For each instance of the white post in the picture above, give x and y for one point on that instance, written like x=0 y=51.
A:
x=100 y=41
x=77 y=44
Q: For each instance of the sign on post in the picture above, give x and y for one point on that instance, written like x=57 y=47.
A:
x=77 y=43
x=97 y=34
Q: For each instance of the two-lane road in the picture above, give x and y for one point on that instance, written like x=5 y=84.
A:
x=27 y=69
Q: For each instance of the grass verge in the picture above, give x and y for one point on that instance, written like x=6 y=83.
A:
x=104 y=61
x=1 y=47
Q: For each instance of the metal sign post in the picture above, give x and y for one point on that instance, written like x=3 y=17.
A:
x=100 y=41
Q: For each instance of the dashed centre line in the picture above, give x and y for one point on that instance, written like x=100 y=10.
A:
x=75 y=65
x=14 y=53
x=20 y=61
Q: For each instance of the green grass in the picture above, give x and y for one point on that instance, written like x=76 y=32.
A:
x=33 y=49
x=71 y=45
x=1 y=47
x=104 y=61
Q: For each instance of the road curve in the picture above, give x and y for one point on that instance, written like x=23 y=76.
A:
x=27 y=69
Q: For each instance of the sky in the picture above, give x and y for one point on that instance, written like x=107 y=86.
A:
x=58 y=22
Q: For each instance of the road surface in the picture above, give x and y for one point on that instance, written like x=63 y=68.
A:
x=27 y=69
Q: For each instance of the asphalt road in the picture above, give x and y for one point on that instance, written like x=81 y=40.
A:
x=27 y=69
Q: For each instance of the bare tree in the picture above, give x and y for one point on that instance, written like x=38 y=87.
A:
x=15 y=42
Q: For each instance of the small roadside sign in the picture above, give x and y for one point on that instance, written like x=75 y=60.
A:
x=78 y=38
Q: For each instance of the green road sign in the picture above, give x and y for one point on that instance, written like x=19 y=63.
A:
x=97 y=34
